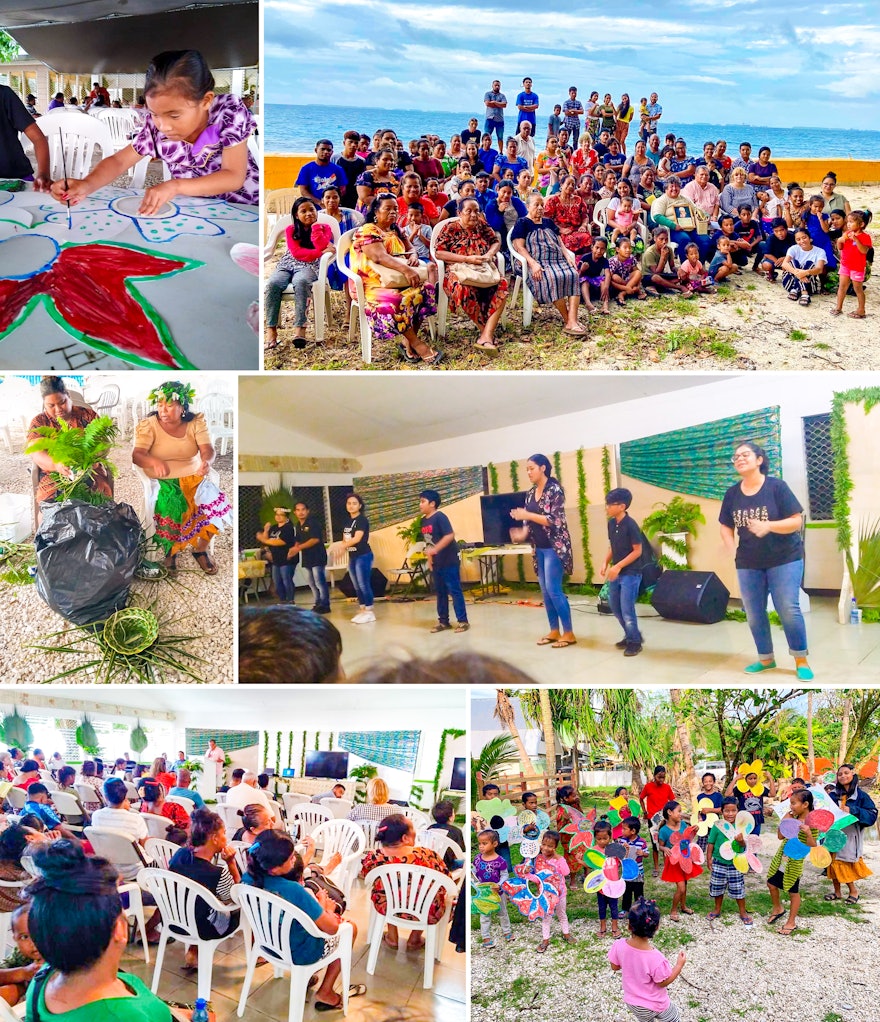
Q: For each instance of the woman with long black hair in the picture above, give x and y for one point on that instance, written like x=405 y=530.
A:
x=848 y=865
x=767 y=518
x=546 y=530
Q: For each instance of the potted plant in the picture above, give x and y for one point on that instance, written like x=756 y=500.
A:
x=864 y=576
x=362 y=774
x=673 y=523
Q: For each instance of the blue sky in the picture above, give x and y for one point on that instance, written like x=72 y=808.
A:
x=717 y=61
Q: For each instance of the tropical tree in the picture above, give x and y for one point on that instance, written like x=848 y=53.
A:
x=497 y=753
x=811 y=748
x=684 y=738
x=505 y=714
x=547 y=728
x=844 y=734
x=571 y=713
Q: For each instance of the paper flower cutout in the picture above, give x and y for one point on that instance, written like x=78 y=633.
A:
x=684 y=851
x=484 y=899
x=106 y=214
x=535 y=896
x=829 y=822
x=706 y=807
x=742 y=846
x=90 y=292
x=607 y=877
x=526 y=817
x=529 y=848
x=580 y=833
x=751 y=768
x=620 y=808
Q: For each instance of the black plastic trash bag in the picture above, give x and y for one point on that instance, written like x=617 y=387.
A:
x=86 y=558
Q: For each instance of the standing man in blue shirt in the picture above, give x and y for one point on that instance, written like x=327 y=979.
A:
x=572 y=112
x=314 y=177
x=527 y=104
x=495 y=102
x=655 y=112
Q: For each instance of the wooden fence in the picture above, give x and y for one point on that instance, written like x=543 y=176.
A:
x=544 y=786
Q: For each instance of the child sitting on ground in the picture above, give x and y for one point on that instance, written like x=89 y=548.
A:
x=722 y=264
x=784 y=873
x=692 y=274
x=773 y=250
x=550 y=859
x=22 y=964
x=725 y=877
x=645 y=971
x=739 y=247
x=601 y=840
x=635 y=889
x=490 y=868
x=626 y=276
x=819 y=224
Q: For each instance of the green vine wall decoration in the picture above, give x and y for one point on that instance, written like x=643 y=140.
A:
x=302 y=761
x=557 y=466
x=514 y=482
x=331 y=741
x=493 y=478
x=448 y=733
x=290 y=749
x=843 y=484
x=606 y=468
x=265 y=748
x=317 y=741
x=278 y=754
x=583 y=503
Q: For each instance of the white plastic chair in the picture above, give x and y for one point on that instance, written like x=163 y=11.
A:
x=270 y=920
x=123 y=125
x=276 y=810
x=340 y=807
x=409 y=891
x=337 y=559
x=9 y=885
x=15 y=1014
x=521 y=280
x=181 y=800
x=291 y=799
x=241 y=855
x=442 y=299
x=67 y=807
x=157 y=826
x=320 y=289
x=419 y=819
x=88 y=794
x=118 y=848
x=306 y=818
x=135 y=914
x=218 y=412
x=369 y=828
x=80 y=136
x=176 y=898
x=134 y=796
x=348 y=839
x=358 y=302
x=160 y=851
x=600 y=217
x=230 y=817
x=441 y=843
x=16 y=797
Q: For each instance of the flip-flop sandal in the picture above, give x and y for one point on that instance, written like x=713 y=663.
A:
x=355 y=990
x=747 y=920
x=853 y=901
x=574 y=333
x=488 y=349
x=836 y=312
x=207 y=566
x=687 y=911
x=713 y=915
x=786 y=931
x=856 y=315
x=832 y=897
x=407 y=356
x=777 y=916
x=547 y=640
x=621 y=301
x=434 y=359
x=542 y=947
x=562 y=643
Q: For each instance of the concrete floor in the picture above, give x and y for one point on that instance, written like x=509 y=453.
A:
x=674 y=652
x=394 y=993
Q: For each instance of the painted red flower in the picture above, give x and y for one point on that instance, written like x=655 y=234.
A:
x=685 y=851
x=89 y=291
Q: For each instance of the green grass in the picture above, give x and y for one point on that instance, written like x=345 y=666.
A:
x=821 y=346
x=798 y=335
x=832 y=1016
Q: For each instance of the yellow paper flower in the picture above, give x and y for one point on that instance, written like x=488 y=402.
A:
x=707 y=807
x=751 y=768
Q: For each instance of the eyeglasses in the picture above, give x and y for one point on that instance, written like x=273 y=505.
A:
x=742 y=456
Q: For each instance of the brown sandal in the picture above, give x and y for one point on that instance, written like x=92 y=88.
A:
x=547 y=640
x=207 y=565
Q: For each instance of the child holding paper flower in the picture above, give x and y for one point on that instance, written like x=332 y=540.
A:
x=750 y=790
x=683 y=857
x=724 y=876
x=785 y=872
x=490 y=868
x=550 y=859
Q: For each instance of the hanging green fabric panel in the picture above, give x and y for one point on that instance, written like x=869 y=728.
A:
x=397 y=749
x=696 y=460
x=393 y=499
x=229 y=741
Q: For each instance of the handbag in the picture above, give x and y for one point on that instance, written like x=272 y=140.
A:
x=396 y=279
x=484 y=275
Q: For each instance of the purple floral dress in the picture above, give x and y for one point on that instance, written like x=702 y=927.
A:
x=229 y=123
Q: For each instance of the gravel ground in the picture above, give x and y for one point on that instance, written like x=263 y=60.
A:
x=825 y=972
x=206 y=610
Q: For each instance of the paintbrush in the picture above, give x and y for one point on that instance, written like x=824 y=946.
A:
x=66 y=186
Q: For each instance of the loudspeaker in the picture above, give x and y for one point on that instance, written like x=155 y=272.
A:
x=377 y=581
x=698 y=596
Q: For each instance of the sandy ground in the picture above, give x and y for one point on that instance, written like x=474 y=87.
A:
x=825 y=972
x=749 y=325
x=206 y=610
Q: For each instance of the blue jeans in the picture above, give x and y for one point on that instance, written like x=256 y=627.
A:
x=359 y=568
x=550 y=581
x=684 y=238
x=783 y=583
x=448 y=583
x=318 y=584
x=282 y=576
x=302 y=280
x=622 y=595
x=498 y=127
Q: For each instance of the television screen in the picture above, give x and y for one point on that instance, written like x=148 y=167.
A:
x=497 y=523
x=327 y=764
x=458 y=782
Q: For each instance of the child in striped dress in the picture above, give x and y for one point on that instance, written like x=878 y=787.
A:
x=784 y=872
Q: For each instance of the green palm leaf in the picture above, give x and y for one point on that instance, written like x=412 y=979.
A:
x=866 y=577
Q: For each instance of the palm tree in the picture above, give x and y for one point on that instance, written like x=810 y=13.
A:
x=811 y=751
x=505 y=714
x=684 y=739
x=547 y=728
x=495 y=754
x=844 y=732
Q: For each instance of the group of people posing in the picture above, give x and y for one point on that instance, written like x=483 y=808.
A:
x=580 y=220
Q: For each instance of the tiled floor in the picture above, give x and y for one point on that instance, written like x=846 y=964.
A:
x=394 y=993
x=674 y=651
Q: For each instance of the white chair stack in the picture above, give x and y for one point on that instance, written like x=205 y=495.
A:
x=348 y=840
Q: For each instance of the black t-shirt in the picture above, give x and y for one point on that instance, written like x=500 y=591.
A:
x=588 y=267
x=623 y=536
x=537 y=532
x=278 y=554
x=749 y=803
x=750 y=233
x=353 y=169
x=358 y=524
x=433 y=530
x=210 y=877
x=456 y=835
x=315 y=555
x=467 y=135
x=773 y=502
x=13 y=119
x=601 y=150
x=404 y=160
x=777 y=247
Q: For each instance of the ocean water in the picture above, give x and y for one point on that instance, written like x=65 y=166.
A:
x=295 y=129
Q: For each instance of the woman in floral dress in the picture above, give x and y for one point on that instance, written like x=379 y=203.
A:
x=570 y=214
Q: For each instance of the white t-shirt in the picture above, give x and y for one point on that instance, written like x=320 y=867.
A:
x=218 y=757
x=244 y=795
x=805 y=260
x=132 y=825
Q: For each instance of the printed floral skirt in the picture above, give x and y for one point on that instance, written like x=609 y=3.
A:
x=184 y=516
x=392 y=313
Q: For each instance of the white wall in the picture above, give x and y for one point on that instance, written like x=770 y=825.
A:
x=797 y=394
x=259 y=436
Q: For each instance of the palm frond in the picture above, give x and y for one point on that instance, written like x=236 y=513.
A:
x=865 y=577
